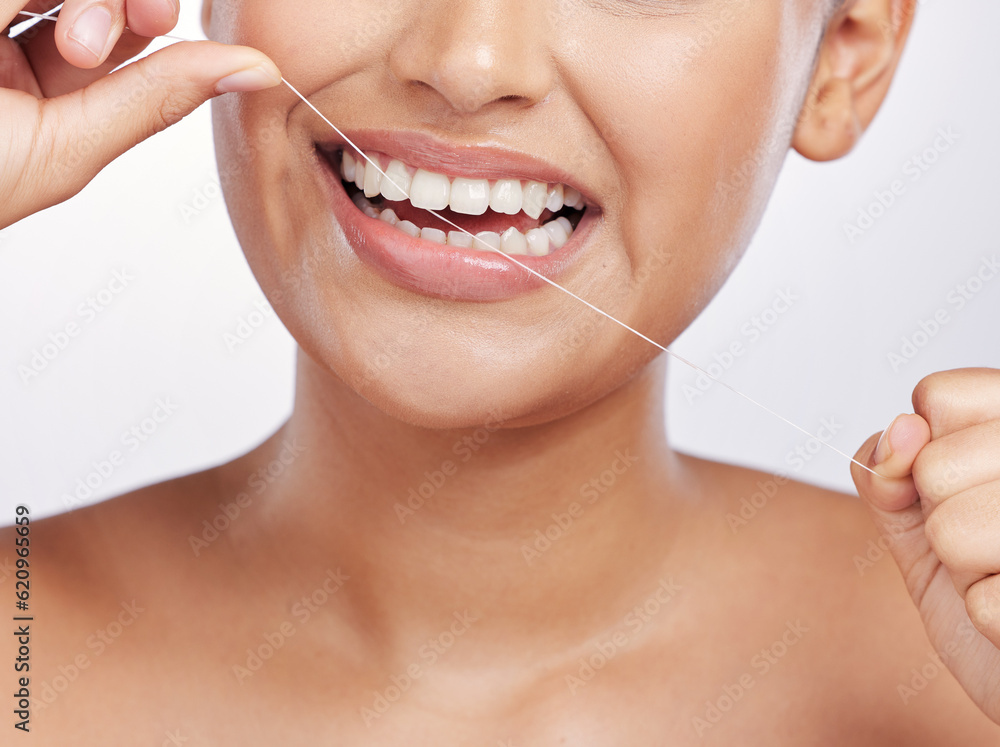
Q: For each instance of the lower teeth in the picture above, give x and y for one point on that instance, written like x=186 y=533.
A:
x=537 y=242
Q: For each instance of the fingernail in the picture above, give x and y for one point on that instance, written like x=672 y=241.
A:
x=883 y=450
x=252 y=79
x=92 y=29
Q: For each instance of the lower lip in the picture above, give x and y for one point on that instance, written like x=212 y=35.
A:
x=438 y=269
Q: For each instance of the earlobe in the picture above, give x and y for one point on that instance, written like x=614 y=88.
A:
x=829 y=126
x=857 y=60
x=206 y=17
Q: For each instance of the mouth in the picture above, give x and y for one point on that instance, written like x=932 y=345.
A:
x=518 y=217
x=536 y=219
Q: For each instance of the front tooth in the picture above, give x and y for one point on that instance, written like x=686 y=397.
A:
x=506 y=196
x=538 y=242
x=470 y=196
x=460 y=238
x=430 y=191
x=433 y=234
x=489 y=239
x=408 y=228
x=347 y=166
x=534 y=198
x=555 y=199
x=373 y=179
x=557 y=233
x=513 y=242
x=572 y=198
x=359 y=174
x=389 y=216
x=396 y=184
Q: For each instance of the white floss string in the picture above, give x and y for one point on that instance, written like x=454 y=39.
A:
x=554 y=284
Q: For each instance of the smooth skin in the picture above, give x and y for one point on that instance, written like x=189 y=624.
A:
x=297 y=596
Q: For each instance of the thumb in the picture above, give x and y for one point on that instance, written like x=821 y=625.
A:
x=83 y=131
x=891 y=496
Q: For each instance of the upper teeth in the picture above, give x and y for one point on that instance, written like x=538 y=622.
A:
x=432 y=191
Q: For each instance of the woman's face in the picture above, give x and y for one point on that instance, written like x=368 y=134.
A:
x=671 y=118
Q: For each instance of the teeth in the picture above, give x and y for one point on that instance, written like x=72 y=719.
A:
x=555 y=199
x=373 y=181
x=430 y=191
x=506 y=197
x=460 y=238
x=470 y=196
x=558 y=236
x=538 y=242
x=489 y=238
x=433 y=234
x=347 y=166
x=408 y=228
x=534 y=198
x=513 y=242
x=359 y=175
x=397 y=174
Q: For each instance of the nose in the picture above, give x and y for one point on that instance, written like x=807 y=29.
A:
x=475 y=53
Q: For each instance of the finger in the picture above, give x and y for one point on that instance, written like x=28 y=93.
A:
x=982 y=602
x=892 y=498
x=952 y=400
x=15 y=72
x=957 y=462
x=82 y=132
x=891 y=455
x=963 y=533
x=152 y=17
x=88 y=30
x=56 y=77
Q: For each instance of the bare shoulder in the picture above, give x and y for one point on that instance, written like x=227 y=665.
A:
x=85 y=562
x=94 y=578
x=832 y=566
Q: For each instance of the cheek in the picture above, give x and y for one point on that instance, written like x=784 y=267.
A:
x=697 y=113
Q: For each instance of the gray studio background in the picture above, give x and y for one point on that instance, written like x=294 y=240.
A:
x=152 y=232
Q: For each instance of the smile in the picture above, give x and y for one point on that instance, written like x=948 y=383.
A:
x=418 y=190
x=505 y=204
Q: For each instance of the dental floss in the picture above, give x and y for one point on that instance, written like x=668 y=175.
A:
x=48 y=17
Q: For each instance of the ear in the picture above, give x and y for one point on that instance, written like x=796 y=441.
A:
x=856 y=63
x=206 y=17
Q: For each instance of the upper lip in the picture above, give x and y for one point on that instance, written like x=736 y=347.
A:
x=474 y=161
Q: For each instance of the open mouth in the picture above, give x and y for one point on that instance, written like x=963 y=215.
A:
x=513 y=216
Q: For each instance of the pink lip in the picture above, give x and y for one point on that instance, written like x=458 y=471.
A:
x=438 y=269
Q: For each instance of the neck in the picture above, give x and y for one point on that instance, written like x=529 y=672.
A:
x=518 y=526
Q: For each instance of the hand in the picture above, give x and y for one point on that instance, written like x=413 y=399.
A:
x=64 y=115
x=937 y=507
